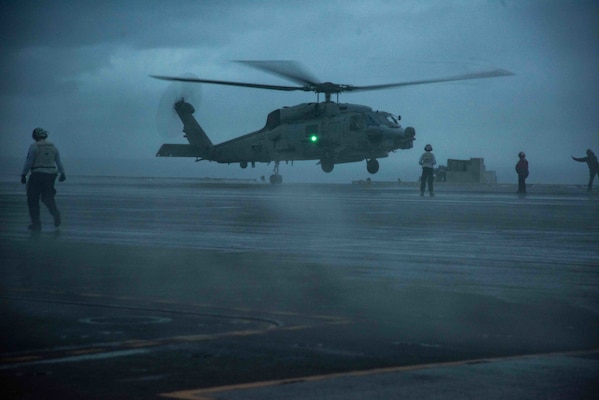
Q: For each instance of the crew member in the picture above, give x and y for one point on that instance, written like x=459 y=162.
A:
x=522 y=171
x=593 y=164
x=428 y=162
x=43 y=160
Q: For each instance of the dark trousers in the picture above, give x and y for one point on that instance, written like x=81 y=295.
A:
x=521 y=183
x=41 y=185
x=427 y=176
x=591 y=179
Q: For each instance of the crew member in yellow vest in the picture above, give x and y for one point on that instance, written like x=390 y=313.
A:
x=428 y=162
x=43 y=161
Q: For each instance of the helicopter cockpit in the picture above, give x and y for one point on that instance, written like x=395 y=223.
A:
x=373 y=119
x=386 y=119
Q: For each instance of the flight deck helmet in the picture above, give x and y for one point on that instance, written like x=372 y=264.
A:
x=521 y=154
x=428 y=147
x=39 y=133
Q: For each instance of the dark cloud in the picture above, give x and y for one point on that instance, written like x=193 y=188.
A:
x=80 y=68
x=72 y=24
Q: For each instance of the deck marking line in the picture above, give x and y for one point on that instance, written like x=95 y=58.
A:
x=205 y=394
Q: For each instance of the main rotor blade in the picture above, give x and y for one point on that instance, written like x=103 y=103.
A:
x=476 y=75
x=290 y=70
x=229 y=83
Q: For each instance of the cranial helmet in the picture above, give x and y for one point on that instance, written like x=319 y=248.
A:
x=39 y=133
x=521 y=154
x=589 y=152
x=428 y=147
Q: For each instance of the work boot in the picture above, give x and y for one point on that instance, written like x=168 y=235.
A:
x=431 y=194
x=35 y=228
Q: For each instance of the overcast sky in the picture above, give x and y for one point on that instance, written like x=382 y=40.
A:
x=80 y=70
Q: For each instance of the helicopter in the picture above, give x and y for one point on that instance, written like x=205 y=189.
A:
x=329 y=132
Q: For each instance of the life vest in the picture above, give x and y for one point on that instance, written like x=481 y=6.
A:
x=45 y=157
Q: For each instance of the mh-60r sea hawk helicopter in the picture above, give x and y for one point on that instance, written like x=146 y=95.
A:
x=330 y=132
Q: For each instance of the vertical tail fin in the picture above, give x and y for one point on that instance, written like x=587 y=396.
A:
x=199 y=145
x=193 y=131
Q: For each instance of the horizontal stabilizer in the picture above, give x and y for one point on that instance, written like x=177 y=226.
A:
x=180 y=150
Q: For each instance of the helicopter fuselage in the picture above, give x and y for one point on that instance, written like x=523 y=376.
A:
x=332 y=133
x=316 y=131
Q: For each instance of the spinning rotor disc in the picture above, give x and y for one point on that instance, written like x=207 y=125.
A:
x=294 y=72
x=167 y=121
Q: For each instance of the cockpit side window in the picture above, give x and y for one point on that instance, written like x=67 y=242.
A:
x=371 y=120
x=356 y=123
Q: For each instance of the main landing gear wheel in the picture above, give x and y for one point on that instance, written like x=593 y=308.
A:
x=327 y=165
x=275 y=178
x=372 y=166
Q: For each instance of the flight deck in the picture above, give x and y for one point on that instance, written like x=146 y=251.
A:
x=195 y=289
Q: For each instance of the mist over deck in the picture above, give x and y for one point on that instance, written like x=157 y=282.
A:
x=193 y=288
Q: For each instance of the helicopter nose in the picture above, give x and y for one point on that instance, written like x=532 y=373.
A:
x=392 y=137
x=404 y=139
x=409 y=133
x=400 y=134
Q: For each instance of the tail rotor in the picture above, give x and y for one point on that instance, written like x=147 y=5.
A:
x=168 y=123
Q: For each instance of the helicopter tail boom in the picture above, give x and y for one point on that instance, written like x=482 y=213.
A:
x=180 y=150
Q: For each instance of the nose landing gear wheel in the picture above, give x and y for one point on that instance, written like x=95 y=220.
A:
x=327 y=165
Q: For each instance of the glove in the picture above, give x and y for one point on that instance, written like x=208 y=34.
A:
x=23 y=179
x=62 y=178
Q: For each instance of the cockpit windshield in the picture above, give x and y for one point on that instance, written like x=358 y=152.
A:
x=384 y=118
x=373 y=119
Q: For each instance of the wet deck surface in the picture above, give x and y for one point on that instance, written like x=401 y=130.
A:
x=165 y=286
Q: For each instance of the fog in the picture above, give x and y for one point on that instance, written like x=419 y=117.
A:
x=81 y=71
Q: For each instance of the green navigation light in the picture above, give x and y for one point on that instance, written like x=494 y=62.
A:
x=314 y=138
